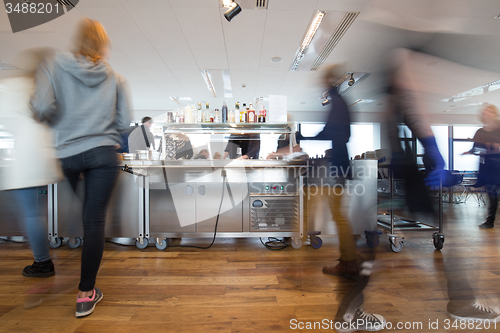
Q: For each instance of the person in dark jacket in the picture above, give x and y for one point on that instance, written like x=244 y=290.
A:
x=249 y=144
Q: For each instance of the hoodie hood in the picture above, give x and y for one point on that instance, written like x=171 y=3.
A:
x=89 y=73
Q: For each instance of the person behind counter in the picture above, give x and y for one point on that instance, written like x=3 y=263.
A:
x=87 y=103
x=141 y=138
x=249 y=144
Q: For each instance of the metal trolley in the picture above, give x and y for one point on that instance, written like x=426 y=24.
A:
x=392 y=188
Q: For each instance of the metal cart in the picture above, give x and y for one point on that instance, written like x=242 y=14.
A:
x=393 y=188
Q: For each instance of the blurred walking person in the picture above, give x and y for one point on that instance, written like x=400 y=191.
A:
x=86 y=102
x=34 y=161
x=486 y=144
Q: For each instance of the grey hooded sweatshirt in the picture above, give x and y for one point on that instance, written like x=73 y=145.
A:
x=86 y=103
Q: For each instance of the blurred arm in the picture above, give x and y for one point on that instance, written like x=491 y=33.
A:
x=43 y=102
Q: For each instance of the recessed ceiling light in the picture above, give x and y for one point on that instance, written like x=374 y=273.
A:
x=276 y=59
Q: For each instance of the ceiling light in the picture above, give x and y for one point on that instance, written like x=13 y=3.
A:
x=208 y=81
x=227 y=3
x=307 y=39
x=473 y=92
x=351 y=80
x=276 y=59
x=226 y=80
x=233 y=10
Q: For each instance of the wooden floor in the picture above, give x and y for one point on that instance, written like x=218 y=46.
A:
x=240 y=286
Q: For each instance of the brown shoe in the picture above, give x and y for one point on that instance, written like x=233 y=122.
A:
x=344 y=268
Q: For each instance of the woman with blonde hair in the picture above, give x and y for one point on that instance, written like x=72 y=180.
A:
x=487 y=143
x=80 y=96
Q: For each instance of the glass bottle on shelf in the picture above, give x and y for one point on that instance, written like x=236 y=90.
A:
x=224 y=112
x=207 y=113
x=211 y=117
x=262 y=111
x=230 y=117
x=251 y=114
x=199 y=115
x=181 y=117
x=244 y=114
x=237 y=112
x=217 y=116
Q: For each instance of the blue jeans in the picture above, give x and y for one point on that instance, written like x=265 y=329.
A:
x=100 y=171
x=34 y=223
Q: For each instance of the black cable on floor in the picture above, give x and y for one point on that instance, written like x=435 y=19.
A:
x=271 y=241
x=216 y=221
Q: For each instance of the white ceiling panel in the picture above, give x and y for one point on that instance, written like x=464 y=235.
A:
x=282 y=37
x=398 y=6
x=244 y=45
x=160 y=27
x=166 y=82
x=193 y=83
x=194 y=3
x=98 y=4
x=269 y=82
x=296 y=82
x=202 y=29
x=292 y=4
x=432 y=8
x=483 y=8
x=341 y=5
x=145 y=3
x=246 y=78
x=127 y=36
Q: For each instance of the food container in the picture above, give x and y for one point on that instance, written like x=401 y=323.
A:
x=143 y=154
x=128 y=156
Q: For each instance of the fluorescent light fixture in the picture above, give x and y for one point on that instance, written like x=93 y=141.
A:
x=362 y=101
x=464 y=106
x=307 y=39
x=492 y=86
x=226 y=80
x=208 y=81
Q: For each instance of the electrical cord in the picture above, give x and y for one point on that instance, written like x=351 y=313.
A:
x=273 y=240
x=223 y=174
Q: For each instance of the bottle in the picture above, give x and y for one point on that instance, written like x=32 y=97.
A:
x=217 y=116
x=188 y=114
x=211 y=117
x=237 y=112
x=181 y=117
x=238 y=152
x=224 y=112
x=199 y=115
x=244 y=114
x=230 y=117
x=251 y=114
x=207 y=113
x=262 y=111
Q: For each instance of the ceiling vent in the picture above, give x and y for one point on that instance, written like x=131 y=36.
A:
x=261 y=4
x=334 y=39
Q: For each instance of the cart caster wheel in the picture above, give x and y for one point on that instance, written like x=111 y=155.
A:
x=143 y=245
x=56 y=243
x=316 y=242
x=438 y=240
x=74 y=243
x=161 y=244
x=396 y=248
x=296 y=244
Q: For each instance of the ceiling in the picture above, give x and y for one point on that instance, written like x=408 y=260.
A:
x=160 y=46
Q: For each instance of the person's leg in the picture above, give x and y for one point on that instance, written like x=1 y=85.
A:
x=35 y=225
x=348 y=255
x=492 y=206
x=36 y=230
x=99 y=179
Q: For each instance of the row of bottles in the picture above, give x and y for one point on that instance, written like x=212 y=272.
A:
x=244 y=115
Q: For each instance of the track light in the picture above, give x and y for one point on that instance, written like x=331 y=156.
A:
x=233 y=10
x=325 y=102
x=351 y=80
